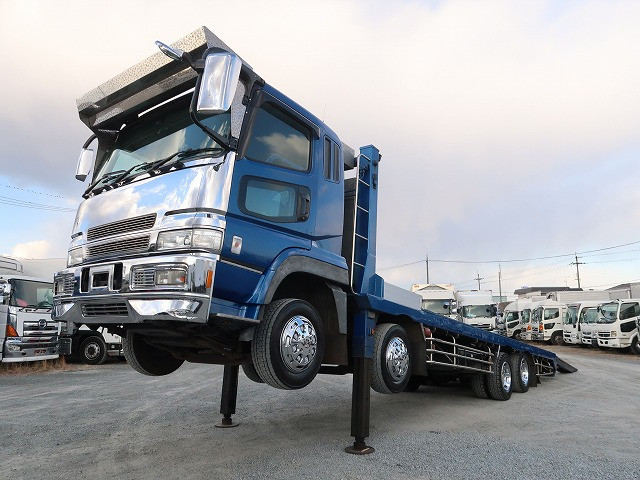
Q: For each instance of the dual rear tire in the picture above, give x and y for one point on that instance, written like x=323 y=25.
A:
x=511 y=373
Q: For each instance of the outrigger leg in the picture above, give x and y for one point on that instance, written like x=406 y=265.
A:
x=229 y=396
x=360 y=406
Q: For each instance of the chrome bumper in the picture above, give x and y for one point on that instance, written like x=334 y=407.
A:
x=132 y=303
x=19 y=349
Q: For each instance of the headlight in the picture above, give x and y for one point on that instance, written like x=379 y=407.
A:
x=75 y=257
x=613 y=333
x=197 y=238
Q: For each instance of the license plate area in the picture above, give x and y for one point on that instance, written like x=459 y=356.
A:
x=101 y=278
x=40 y=351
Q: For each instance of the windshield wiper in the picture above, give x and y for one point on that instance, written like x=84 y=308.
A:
x=103 y=178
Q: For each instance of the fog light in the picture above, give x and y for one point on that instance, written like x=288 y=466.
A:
x=13 y=348
x=174 y=277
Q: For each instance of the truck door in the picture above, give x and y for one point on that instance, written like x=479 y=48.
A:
x=273 y=200
x=629 y=313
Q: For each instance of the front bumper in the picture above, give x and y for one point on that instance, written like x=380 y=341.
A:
x=612 y=343
x=122 y=300
x=19 y=349
x=538 y=337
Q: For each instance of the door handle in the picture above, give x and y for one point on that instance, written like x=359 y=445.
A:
x=304 y=206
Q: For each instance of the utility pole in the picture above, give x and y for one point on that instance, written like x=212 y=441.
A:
x=427 y=269
x=478 y=278
x=500 y=280
x=577 y=263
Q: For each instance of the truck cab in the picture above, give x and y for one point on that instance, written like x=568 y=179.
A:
x=476 y=308
x=548 y=321
x=588 y=327
x=616 y=327
x=573 y=320
x=517 y=317
x=27 y=331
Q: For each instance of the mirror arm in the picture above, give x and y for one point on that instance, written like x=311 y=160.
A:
x=89 y=140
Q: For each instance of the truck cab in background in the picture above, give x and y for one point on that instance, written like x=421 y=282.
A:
x=617 y=325
x=516 y=317
x=574 y=319
x=476 y=308
x=548 y=322
x=93 y=345
x=27 y=331
x=588 y=327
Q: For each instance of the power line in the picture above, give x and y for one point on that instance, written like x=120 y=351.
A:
x=32 y=191
x=37 y=206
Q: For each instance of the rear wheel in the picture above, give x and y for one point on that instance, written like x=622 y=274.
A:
x=521 y=370
x=146 y=358
x=479 y=385
x=93 y=350
x=288 y=346
x=391 y=370
x=500 y=381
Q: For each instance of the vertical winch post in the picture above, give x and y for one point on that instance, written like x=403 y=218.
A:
x=364 y=281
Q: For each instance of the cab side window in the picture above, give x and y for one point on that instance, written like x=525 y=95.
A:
x=629 y=310
x=550 y=313
x=331 y=161
x=279 y=139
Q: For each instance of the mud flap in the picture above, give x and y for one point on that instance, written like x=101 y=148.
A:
x=564 y=367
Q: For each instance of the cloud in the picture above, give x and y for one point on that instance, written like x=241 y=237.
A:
x=34 y=249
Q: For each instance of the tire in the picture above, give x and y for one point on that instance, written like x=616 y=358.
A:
x=500 y=381
x=635 y=346
x=93 y=350
x=250 y=372
x=147 y=359
x=516 y=335
x=521 y=371
x=413 y=384
x=288 y=345
x=479 y=385
x=391 y=369
x=556 y=339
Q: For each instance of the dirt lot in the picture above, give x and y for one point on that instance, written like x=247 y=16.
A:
x=109 y=421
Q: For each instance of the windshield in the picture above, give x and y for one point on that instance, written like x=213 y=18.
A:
x=159 y=134
x=590 y=315
x=27 y=293
x=608 y=313
x=526 y=316
x=473 y=311
x=437 y=306
x=571 y=316
x=536 y=314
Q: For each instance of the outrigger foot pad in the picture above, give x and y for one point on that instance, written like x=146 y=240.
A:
x=359 y=448
x=226 y=422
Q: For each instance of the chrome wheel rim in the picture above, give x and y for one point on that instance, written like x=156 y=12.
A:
x=298 y=344
x=505 y=376
x=524 y=371
x=92 y=351
x=397 y=359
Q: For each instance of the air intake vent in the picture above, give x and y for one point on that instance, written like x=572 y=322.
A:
x=124 y=246
x=121 y=226
x=105 y=310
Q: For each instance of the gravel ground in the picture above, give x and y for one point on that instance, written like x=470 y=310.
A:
x=109 y=421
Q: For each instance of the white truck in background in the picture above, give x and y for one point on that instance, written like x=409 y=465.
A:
x=547 y=322
x=517 y=316
x=440 y=301
x=93 y=345
x=27 y=332
x=589 y=326
x=476 y=308
x=617 y=325
x=574 y=320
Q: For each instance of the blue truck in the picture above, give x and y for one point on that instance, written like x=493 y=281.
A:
x=225 y=224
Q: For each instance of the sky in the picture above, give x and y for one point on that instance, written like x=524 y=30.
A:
x=510 y=130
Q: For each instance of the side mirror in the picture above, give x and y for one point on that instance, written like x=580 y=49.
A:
x=219 y=83
x=85 y=161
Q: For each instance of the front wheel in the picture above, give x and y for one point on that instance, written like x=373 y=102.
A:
x=556 y=338
x=288 y=346
x=635 y=346
x=146 y=358
x=391 y=370
x=93 y=351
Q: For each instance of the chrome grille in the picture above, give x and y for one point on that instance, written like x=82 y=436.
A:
x=64 y=284
x=143 y=277
x=105 y=309
x=604 y=334
x=121 y=226
x=33 y=333
x=124 y=246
